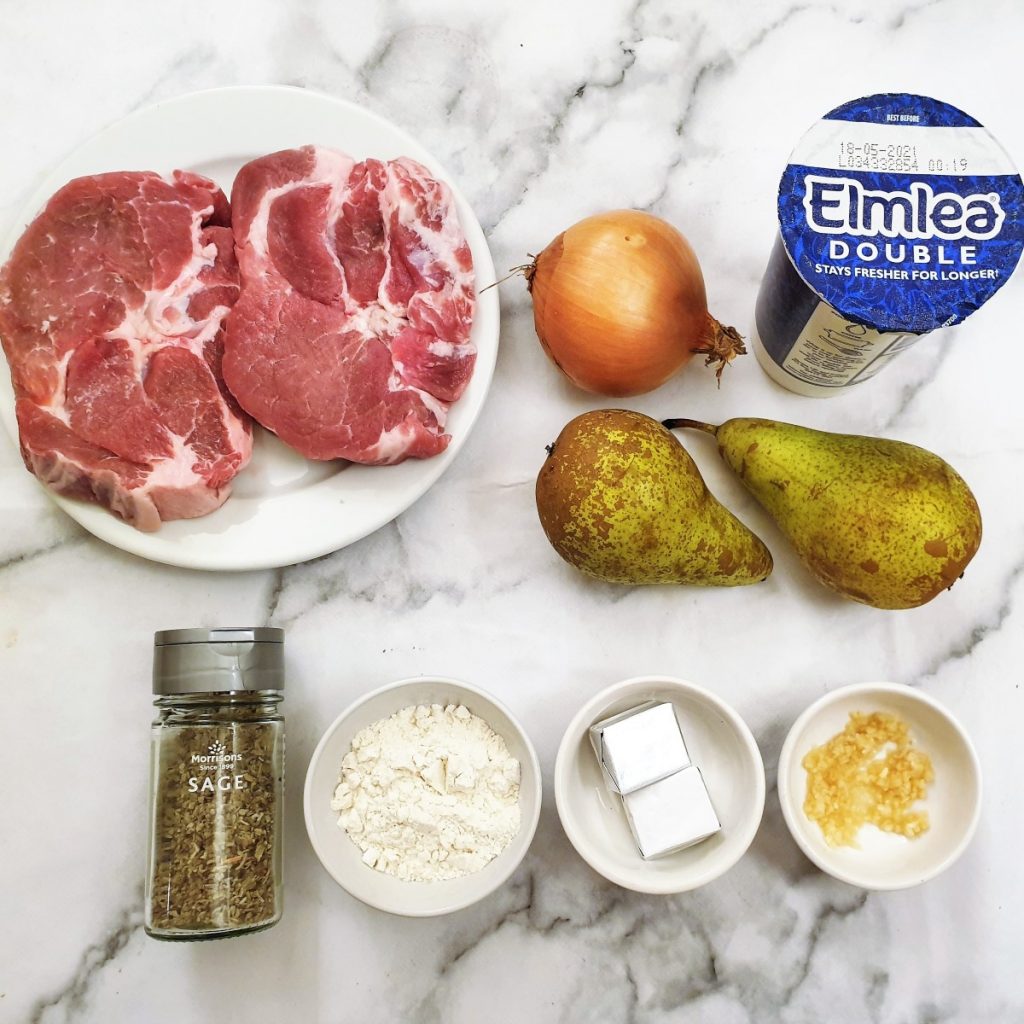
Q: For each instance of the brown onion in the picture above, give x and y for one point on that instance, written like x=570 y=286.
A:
x=619 y=304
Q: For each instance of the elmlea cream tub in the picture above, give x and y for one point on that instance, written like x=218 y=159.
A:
x=898 y=214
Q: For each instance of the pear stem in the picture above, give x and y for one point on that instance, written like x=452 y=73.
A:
x=675 y=424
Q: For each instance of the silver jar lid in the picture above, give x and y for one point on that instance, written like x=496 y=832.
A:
x=232 y=659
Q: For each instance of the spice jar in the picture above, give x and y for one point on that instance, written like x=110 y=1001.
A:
x=217 y=781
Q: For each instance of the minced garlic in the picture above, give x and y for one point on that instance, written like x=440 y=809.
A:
x=869 y=774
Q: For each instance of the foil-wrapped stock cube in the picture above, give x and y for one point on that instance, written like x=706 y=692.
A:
x=639 y=747
x=671 y=814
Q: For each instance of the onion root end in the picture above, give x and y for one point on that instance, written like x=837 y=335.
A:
x=724 y=344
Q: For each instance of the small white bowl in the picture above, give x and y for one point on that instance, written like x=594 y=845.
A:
x=342 y=858
x=719 y=743
x=953 y=801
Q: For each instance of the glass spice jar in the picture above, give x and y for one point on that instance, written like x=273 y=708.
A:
x=217 y=783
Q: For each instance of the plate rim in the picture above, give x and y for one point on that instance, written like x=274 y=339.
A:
x=104 y=525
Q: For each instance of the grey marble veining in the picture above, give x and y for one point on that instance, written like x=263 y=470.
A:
x=542 y=113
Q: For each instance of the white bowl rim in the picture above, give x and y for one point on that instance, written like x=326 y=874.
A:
x=587 y=714
x=530 y=826
x=789 y=812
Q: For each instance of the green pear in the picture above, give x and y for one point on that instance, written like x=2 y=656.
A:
x=882 y=522
x=620 y=499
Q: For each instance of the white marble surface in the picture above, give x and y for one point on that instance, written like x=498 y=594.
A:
x=544 y=112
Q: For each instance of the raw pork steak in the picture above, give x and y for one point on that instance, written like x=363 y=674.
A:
x=111 y=308
x=350 y=338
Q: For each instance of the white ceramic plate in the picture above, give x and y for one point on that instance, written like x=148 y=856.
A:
x=339 y=854
x=718 y=742
x=953 y=802
x=283 y=509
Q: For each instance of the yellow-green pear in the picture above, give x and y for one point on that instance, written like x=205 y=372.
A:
x=620 y=499
x=882 y=522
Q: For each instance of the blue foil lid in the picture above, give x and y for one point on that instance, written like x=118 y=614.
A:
x=902 y=212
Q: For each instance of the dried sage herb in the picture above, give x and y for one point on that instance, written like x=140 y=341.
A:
x=216 y=820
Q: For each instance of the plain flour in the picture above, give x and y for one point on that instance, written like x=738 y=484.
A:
x=429 y=793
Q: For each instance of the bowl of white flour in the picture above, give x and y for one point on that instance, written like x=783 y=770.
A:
x=422 y=797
